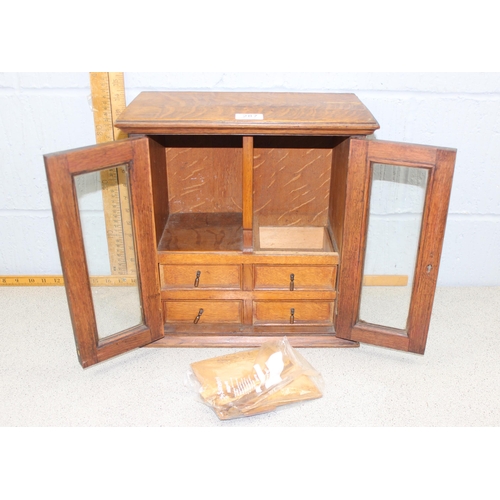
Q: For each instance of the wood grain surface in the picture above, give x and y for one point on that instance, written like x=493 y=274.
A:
x=298 y=336
x=204 y=174
x=292 y=180
x=284 y=239
x=270 y=312
x=305 y=277
x=205 y=276
x=214 y=311
x=203 y=232
x=338 y=191
x=282 y=113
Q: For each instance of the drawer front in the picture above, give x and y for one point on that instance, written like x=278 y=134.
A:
x=202 y=311
x=293 y=312
x=201 y=276
x=302 y=277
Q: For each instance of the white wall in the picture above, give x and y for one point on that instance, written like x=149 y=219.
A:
x=48 y=112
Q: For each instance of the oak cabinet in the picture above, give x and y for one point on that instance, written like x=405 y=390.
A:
x=252 y=215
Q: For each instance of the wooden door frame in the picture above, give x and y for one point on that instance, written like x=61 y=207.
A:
x=61 y=169
x=439 y=163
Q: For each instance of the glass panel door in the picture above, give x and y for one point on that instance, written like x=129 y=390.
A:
x=396 y=204
x=109 y=251
x=396 y=207
x=107 y=245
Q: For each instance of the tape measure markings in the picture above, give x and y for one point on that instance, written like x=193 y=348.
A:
x=54 y=280
x=108 y=100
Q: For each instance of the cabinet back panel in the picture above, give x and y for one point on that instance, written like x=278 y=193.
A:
x=204 y=174
x=292 y=179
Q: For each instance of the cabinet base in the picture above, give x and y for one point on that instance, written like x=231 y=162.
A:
x=237 y=341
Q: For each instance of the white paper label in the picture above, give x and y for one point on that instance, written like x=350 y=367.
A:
x=276 y=365
x=249 y=116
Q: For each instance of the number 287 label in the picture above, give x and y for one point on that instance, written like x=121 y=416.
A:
x=249 y=116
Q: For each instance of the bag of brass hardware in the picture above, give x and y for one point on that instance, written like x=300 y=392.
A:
x=255 y=381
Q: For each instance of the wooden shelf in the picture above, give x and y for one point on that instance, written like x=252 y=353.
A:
x=203 y=232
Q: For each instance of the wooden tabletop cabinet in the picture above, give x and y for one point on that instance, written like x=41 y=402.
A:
x=254 y=215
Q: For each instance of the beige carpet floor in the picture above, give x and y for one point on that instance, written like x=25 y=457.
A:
x=455 y=384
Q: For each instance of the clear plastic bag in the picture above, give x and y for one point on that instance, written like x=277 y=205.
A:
x=256 y=381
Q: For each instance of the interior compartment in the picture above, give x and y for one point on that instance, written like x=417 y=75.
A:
x=293 y=202
x=292 y=181
x=203 y=194
x=285 y=238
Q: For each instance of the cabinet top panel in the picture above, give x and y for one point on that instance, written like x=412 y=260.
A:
x=240 y=113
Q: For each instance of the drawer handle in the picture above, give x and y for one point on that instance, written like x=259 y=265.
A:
x=197 y=280
x=292 y=278
x=200 y=312
x=292 y=315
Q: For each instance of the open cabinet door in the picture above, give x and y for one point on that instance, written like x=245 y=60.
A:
x=107 y=320
x=397 y=198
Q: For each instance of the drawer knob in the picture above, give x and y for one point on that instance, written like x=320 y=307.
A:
x=292 y=278
x=197 y=280
x=292 y=314
x=200 y=312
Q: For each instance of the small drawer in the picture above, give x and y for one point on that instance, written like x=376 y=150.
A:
x=202 y=311
x=295 y=277
x=201 y=276
x=293 y=312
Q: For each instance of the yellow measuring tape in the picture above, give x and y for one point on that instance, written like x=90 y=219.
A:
x=59 y=280
x=108 y=101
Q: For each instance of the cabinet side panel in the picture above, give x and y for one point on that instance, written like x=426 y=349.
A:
x=144 y=229
x=159 y=185
x=353 y=238
x=336 y=211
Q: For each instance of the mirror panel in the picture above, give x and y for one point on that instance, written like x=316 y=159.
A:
x=110 y=248
x=397 y=200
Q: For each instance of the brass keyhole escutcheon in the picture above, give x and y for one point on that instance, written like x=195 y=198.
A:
x=292 y=282
x=292 y=315
x=200 y=312
x=197 y=280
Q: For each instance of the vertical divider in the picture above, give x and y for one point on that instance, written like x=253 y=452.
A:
x=247 y=194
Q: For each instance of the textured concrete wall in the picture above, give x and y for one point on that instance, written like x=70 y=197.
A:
x=44 y=112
